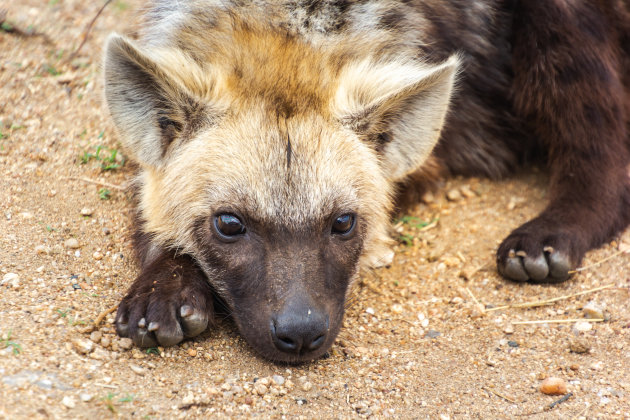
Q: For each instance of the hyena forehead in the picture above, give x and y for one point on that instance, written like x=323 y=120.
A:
x=300 y=170
x=316 y=20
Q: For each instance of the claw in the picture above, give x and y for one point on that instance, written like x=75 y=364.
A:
x=186 y=311
x=537 y=268
x=514 y=269
x=559 y=266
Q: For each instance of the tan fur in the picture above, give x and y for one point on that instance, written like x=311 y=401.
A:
x=268 y=86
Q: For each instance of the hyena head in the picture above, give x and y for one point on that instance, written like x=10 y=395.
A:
x=271 y=161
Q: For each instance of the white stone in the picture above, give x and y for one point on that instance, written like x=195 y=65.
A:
x=583 y=326
x=83 y=346
x=71 y=243
x=68 y=402
x=85 y=397
x=593 y=310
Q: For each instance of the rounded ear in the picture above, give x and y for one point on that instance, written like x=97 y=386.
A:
x=398 y=105
x=149 y=108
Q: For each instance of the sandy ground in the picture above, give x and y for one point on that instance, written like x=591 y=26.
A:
x=422 y=338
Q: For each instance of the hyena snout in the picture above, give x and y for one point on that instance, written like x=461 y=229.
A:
x=299 y=327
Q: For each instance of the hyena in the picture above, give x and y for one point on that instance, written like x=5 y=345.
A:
x=274 y=139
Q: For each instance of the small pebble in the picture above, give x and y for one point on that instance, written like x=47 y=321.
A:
x=467 y=192
x=433 y=334
x=42 y=249
x=579 y=345
x=278 y=380
x=83 y=346
x=593 y=310
x=553 y=386
x=370 y=311
x=509 y=329
x=86 y=211
x=260 y=388
x=125 y=343
x=85 y=397
x=106 y=342
x=397 y=309
x=99 y=354
x=189 y=398
x=11 y=279
x=97 y=256
x=451 y=261
x=96 y=336
x=453 y=195
x=68 y=402
x=192 y=352
x=71 y=243
x=583 y=326
x=137 y=369
x=512 y=343
x=428 y=197
x=307 y=386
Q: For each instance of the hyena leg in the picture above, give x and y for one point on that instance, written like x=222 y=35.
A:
x=568 y=84
x=170 y=300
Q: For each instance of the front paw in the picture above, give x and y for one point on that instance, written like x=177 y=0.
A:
x=169 y=301
x=540 y=251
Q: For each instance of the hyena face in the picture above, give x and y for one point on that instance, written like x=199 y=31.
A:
x=270 y=162
x=277 y=225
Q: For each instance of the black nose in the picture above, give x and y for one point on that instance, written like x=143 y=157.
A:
x=299 y=329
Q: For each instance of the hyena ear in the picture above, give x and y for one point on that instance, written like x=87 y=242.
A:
x=149 y=108
x=399 y=106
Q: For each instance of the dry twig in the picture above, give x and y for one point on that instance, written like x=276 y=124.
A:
x=595 y=264
x=557 y=321
x=87 y=30
x=492 y=391
x=103 y=314
x=548 y=301
x=475 y=300
x=581 y=413
x=8 y=27
x=98 y=320
x=560 y=400
x=95 y=182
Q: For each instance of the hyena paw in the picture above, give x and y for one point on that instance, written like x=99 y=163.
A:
x=539 y=252
x=165 y=305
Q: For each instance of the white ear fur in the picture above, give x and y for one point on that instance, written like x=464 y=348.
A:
x=404 y=100
x=148 y=107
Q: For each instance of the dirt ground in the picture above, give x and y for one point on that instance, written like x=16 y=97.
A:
x=422 y=339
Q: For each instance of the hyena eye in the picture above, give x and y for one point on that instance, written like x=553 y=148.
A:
x=344 y=224
x=228 y=225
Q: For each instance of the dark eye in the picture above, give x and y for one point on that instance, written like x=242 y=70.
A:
x=229 y=225
x=343 y=224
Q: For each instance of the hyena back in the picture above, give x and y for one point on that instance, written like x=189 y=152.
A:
x=272 y=135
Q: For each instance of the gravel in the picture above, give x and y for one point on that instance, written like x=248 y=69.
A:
x=415 y=377
x=71 y=243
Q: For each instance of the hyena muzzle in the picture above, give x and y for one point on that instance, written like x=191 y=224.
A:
x=274 y=139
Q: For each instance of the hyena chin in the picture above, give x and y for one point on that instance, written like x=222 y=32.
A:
x=274 y=139
x=267 y=169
